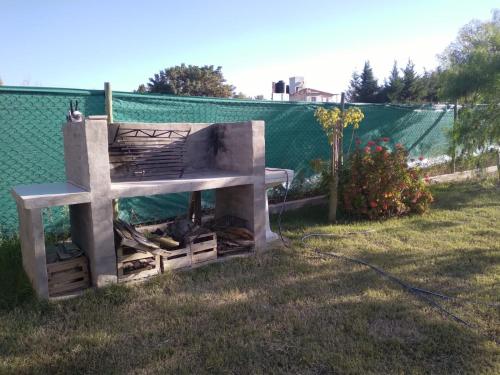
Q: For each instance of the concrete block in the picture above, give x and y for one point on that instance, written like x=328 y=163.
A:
x=92 y=223
x=246 y=202
x=32 y=240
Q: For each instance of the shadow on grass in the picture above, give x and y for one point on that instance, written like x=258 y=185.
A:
x=15 y=288
x=455 y=196
x=279 y=313
x=447 y=196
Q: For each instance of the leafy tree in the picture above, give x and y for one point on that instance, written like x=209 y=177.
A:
x=190 y=80
x=394 y=85
x=364 y=87
x=471 y=75
x=412 y=89
x=471 y=64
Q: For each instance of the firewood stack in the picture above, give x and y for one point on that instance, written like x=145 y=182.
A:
x=137 y=264
x=136 y=258
x=127 y=236
x=182 y=244
x=232 y=235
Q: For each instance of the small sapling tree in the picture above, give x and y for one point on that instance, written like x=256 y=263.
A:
x=333 y=122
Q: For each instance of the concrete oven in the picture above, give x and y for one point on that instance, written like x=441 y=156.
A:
x=106 y=162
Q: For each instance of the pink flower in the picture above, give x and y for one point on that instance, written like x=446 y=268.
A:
x=385 y=139
x=378 y=148
x=373 y=204
x=371 y=143
x=399 y=145
x=420 y=158
x=367 y=149
x=358 y=141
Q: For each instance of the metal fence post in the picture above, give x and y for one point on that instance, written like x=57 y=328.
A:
x=453 y=145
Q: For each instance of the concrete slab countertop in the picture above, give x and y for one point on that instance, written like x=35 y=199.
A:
x=48 y=195
x=191 y=181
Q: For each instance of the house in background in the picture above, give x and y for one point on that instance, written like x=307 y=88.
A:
x=298 y=92
x=312 y=95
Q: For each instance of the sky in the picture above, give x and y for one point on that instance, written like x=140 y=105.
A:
x=82 y=44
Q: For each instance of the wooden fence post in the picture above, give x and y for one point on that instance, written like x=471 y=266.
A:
x=341 y=131
x=108 y=101
x=108 y=104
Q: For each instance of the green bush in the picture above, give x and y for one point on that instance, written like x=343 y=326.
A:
x=378 y=183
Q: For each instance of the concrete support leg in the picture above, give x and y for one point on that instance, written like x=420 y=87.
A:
x=33 y=249
x=270 y=235
x=92 y=231
x=246 y=202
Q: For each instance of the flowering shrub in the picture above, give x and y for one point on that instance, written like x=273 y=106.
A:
x=377 y=183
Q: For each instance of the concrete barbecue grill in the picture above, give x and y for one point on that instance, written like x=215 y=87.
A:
x=111 y=161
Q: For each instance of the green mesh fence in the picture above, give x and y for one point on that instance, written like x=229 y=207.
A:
x=32 y=151
x=31 y=142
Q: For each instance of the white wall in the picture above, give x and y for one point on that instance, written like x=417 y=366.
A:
x=296 y=82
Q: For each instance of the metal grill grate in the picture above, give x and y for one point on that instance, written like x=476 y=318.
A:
x=140 y=154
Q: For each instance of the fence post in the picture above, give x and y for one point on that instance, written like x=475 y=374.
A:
x=498 y=164
x=453 y=145
x=341 y=136
x=108 y=101
x=108 y=104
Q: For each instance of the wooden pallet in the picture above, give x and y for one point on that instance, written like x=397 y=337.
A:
x=137 y=274
x=68 y=276
x=203 y=248
x=175 y=259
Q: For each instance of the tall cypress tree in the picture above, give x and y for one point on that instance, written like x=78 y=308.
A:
x=394 y=85
x=352 y=94
x=368 y=87
x=363 y=87
x=412 y=86
x=431 y=85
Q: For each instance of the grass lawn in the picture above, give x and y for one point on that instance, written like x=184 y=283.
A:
x=286 y=311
